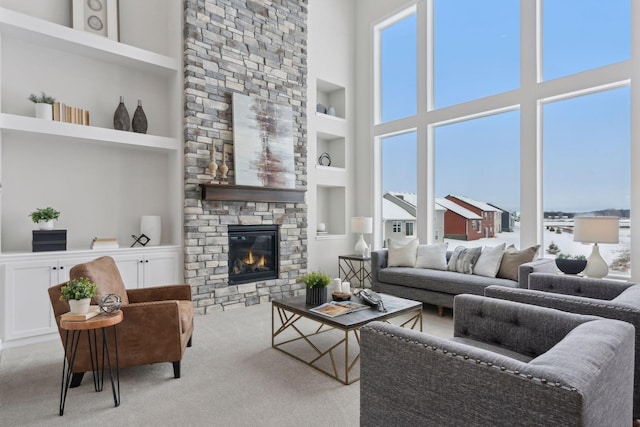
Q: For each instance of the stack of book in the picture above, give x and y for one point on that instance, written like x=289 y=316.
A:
x=69 y=114
x=94 y=310
x=104 y=243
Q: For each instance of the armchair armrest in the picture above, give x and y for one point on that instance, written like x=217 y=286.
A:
x=543 y=265
x=378 y=261
x=408 y=377
x=579 y=286
x=160 y=293
x=150 y=331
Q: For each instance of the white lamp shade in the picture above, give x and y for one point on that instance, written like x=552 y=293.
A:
x=596 y=229
x=362 y=224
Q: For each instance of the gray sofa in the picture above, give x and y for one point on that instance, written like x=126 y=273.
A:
x=438 y=287
x=508 y=364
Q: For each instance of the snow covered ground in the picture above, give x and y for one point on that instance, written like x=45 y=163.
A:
x=564 y=241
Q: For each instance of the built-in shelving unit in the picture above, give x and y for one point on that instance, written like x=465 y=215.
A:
x=331 y=180
x=102 y=180
x=90 y=72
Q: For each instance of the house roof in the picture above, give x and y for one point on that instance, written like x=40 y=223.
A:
x=480 y=205
x=393 y=212
x=401 y=206
x=456 y=208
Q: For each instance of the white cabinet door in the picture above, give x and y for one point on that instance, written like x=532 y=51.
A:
x=160 y=269
x=28 y=309
x=130 y=267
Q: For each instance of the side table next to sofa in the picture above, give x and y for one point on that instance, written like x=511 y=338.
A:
x=102 y=322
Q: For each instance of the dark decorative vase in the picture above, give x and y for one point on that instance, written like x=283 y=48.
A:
x=570 y=266
x=139 y=123
x=316 y=296
x=121 y=116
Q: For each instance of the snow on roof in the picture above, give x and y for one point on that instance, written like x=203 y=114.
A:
x=480 y=205
x=412 y=199
x=454 y=207
x=391 y=211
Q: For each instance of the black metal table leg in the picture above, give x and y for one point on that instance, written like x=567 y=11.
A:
x=105 y=347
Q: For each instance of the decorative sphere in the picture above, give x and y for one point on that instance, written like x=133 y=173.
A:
x=110 y=303
x=321 y=227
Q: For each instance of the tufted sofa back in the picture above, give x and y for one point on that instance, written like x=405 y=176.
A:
x=520 y=331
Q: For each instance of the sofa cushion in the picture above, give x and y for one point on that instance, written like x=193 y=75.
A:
x=402 y=254
x=489 y=261
x=432 y=256
x=448 y=282
x=513 y=258
x=463 y=259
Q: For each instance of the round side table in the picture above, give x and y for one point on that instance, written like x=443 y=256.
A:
x=73 y=331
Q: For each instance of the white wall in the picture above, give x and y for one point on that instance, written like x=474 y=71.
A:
x=331 y=58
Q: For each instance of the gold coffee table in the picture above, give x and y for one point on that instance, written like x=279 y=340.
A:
x=288 y=331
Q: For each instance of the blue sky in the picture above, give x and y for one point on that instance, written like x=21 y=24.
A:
x=586 y=139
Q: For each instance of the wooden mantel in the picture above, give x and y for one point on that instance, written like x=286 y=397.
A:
x=245 y=193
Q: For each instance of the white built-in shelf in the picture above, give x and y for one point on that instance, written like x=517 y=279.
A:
x=331 y=125
x=10 y=123
x=330 y=236
x=48 y=34
x=331 y=176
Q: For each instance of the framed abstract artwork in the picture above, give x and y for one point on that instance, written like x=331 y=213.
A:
x=263 y=143
x=97 y=17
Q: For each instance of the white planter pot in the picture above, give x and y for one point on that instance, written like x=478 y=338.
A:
x=79 y=305
x=45 y=225
x=44 y=111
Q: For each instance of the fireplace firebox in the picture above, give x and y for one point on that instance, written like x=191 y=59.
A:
x=253 y=253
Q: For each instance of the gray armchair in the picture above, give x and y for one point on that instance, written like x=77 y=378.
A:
x=598 y=297
x=508 y=364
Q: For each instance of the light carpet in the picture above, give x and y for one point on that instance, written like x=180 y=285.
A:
x=230 y=377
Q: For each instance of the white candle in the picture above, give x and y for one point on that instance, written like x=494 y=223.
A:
x=346 y=287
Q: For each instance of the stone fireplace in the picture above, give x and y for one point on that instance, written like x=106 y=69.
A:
x=253 y=253
x=257 y=48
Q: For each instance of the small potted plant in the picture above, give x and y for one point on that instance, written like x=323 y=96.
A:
x=44 y=105
x=78 y=292
x=317 y=283
x=571 y=264
x=44 y=217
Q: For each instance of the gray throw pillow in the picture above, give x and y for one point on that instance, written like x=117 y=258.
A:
x=432 y=256
x=513 y=258
x=463 y=259
x=402 y=254
x=489 y=261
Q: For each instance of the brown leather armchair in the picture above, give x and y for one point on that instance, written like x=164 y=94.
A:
x=157 y=324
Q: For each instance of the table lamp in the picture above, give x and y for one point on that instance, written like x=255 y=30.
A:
x=596 y=229
x=362 y=225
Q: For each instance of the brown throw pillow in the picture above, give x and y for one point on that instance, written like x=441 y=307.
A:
x=513 y=258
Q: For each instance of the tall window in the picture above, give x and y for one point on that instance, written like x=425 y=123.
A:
x=581 y=35
x=488 y=136
x=476 y=49
x=398 y=69
x=479 y=160
x=399 y=176
x=587 y=171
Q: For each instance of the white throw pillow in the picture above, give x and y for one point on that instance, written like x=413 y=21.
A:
x=432 y=256
x=489 y=261
x=402 y=254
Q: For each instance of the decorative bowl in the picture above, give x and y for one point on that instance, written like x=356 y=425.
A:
x=341 y=296
x=570 y=266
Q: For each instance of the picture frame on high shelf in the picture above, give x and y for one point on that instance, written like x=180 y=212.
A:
x=263 y=143
x=97 y=16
